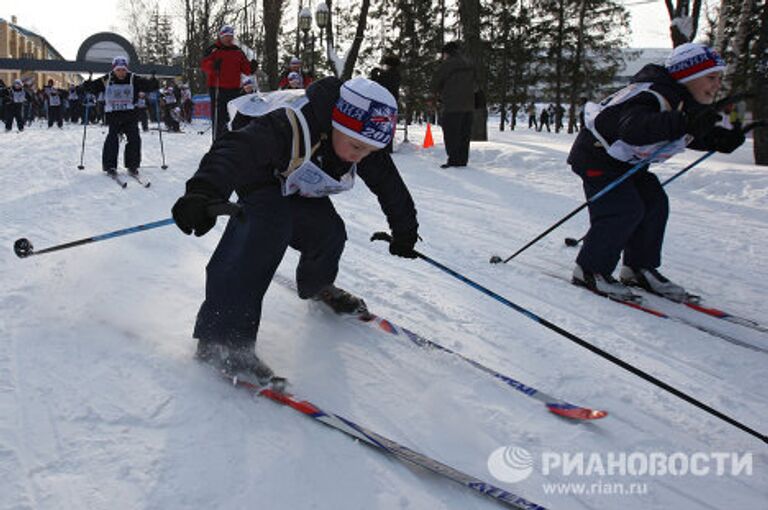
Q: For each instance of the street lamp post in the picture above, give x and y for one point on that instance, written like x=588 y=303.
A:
x=305 y=24
x=322 y=17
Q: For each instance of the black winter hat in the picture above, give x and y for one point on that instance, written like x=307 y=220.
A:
x=451 y=48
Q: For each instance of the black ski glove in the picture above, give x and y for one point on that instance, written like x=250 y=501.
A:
x=699 y=123
x=402 y=244
x=190 y=212
x=725 y=140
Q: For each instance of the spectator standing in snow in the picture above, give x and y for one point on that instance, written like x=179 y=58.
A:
x=544 y=119
x=268 y=163
x=532 y=116
x=664 y=107
x=121 y=90
x=223 y=64
x=454 y=85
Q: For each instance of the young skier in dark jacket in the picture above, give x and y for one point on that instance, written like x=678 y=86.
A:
x=663 y=107
x=121 y=91
x=283 y=165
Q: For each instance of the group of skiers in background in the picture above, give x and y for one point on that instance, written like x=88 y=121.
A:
x=21 y=104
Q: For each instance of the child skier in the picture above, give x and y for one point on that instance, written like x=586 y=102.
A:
x=664 y=106
x=16 y=97
x=121 y=90
x=283 y=165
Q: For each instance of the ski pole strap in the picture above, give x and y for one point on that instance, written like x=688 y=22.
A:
x=583 y=343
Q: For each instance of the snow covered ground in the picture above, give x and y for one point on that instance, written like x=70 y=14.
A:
x=102 y=406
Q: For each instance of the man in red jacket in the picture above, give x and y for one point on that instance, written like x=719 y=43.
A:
x=224 y=63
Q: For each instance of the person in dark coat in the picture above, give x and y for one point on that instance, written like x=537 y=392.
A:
x=16 y=97
x=120 y=89
x=223 y=64
x=454 y=84
x=388 y=76
x=663 y=110
x=54 y=97
x=282 y=181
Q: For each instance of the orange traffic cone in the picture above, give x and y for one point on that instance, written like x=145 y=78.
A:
x=428 y=142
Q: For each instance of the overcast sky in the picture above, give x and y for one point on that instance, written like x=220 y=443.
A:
x=67 y=24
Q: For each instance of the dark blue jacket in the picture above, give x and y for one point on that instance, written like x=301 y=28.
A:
x=638 y=121
x=247 y=159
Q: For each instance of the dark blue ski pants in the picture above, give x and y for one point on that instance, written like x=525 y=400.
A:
x=249 y=252
x=631 y=218
x=128 y=126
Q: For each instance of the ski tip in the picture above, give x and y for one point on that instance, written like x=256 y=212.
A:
x=576 y=412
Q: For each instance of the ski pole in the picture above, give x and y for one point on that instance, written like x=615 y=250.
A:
x=383 y=236
x=495 y=259
x=81 y=166
x=23 y=247
x=160 y=131
x=570 y=241
x=215 y=116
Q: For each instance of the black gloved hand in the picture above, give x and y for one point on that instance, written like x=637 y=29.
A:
x=217 y=64
x=190 y=212
x=402 y=244
x=700 y=122
x=725 y=140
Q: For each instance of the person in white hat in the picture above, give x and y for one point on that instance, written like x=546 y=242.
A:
x=224 y=63
x=664 y=110
x=16 y=98
x=283 y=165
x=121 y=93
x=293 y=70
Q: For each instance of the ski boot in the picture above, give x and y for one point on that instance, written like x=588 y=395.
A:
x=239 y=364
x=655 y=283
x=603 y=284
x=341 y=301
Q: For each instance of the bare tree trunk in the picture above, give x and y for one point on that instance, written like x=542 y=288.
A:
x=351 y=58
x=273 y=11
x=469 y=13
x=682 y=12
x=761 y=91
x=559 y=63
x=577 y=64
x=739 y=37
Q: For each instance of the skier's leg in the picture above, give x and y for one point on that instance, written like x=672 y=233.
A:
x=241 y=270
x=319 y=234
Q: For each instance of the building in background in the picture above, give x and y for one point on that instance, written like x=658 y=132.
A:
x=19 y=43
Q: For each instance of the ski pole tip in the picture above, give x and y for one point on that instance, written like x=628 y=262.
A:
x=570 y=241
x=23 y=248
x=495 y=260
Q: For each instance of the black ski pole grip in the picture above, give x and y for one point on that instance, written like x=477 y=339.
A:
x=381 y=236
x=226 y=209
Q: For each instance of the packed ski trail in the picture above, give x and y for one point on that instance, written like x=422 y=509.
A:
x=102 y=406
